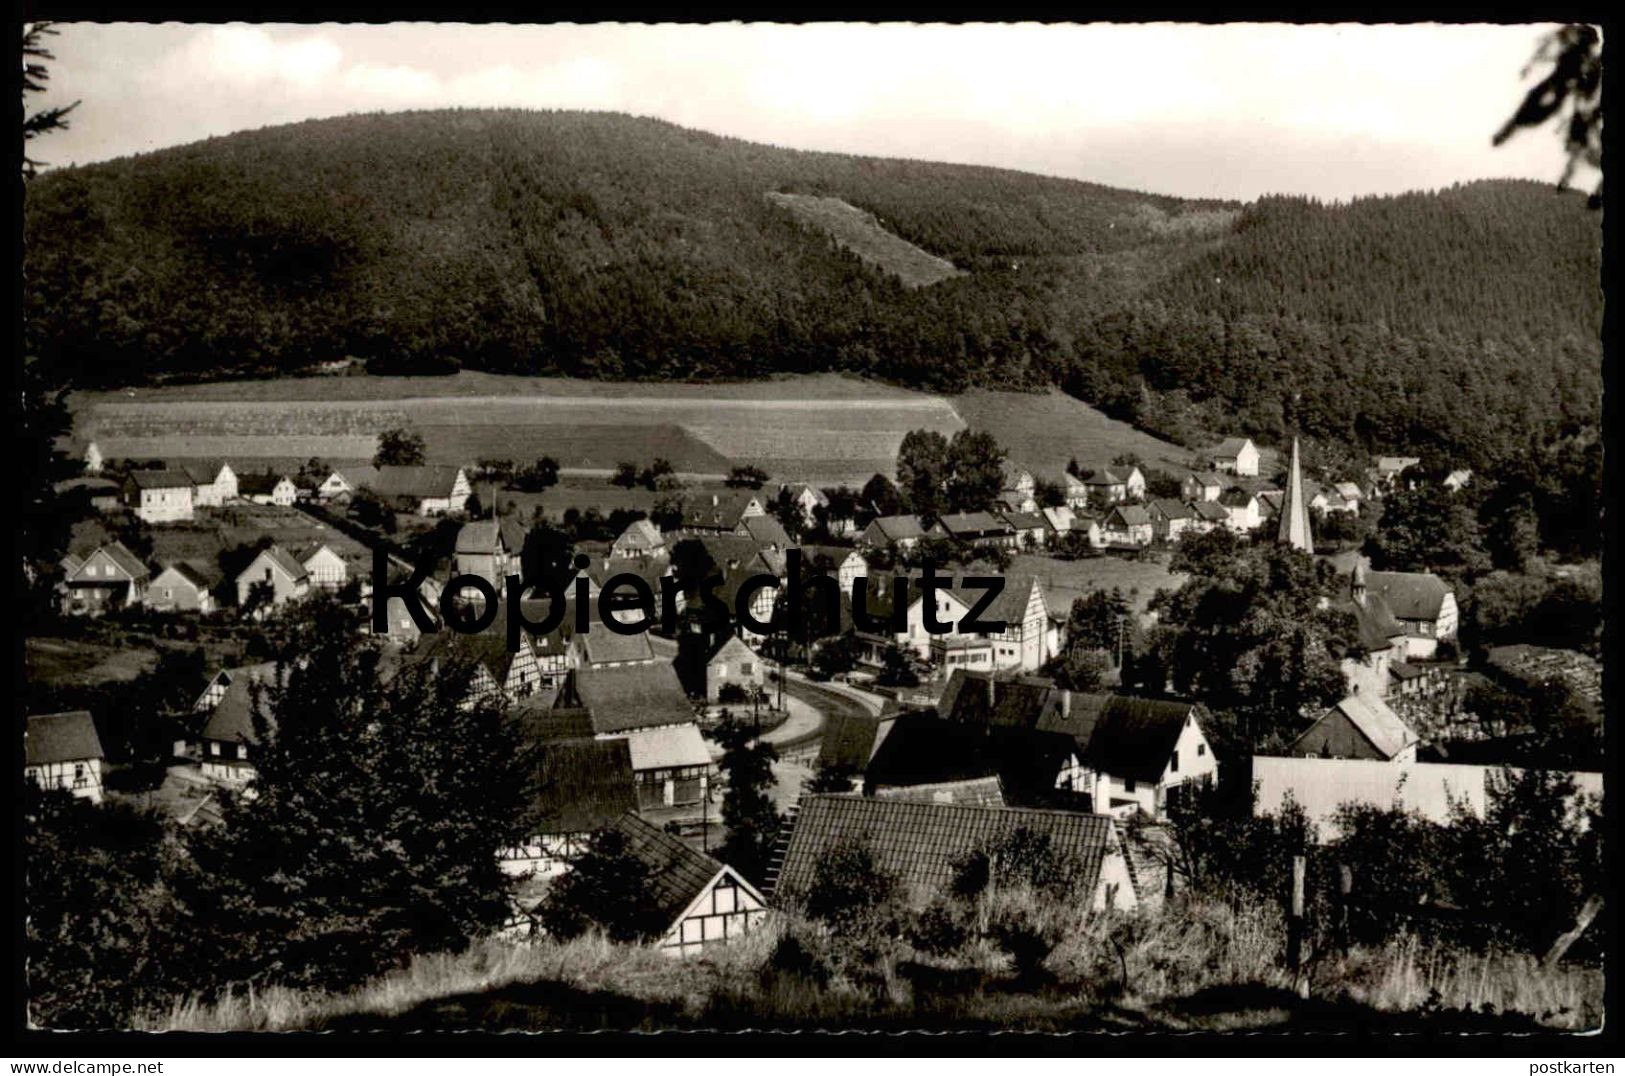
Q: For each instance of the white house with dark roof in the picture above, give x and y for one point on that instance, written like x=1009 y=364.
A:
x=63 y=751
x=1131 y=754
x=228 y=734
x=1359 y=726
x=1169 y=518
x=705 y=902
x=213 y=483
x=109 y=577
x=425 y=489
x=1129 y=524
x=578 y=787
x=160 y=496
x=1201 y=486
x=1423 y=604
x=1235 y=455
x=280 y=570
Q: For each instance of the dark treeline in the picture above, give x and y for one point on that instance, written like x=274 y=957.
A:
x=1463 y=322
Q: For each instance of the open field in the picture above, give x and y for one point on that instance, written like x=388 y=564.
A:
x=1042 y=431
x=1138 y=579
x=857 y=230
x=821 y=429
x=79 y=663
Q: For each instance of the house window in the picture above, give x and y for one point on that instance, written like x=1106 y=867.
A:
x=1173 y=763
x=79 y=779
x=745 y=668
x=1128 y=785
x=1201 y=749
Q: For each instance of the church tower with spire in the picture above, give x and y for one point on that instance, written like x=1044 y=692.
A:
x=1295 y=510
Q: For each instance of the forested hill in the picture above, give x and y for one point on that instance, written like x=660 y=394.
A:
x=607 y=246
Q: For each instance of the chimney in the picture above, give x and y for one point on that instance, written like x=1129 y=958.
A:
x=714 y=500
x=1357 y=583
x=1066 y=703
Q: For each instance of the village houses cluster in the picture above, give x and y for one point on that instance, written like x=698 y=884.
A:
x=985 y=747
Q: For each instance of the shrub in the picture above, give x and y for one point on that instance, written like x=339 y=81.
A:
x=732 y=692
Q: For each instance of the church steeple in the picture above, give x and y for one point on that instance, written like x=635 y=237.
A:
x=1295 y=510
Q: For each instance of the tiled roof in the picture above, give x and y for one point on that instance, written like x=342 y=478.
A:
x=667 y=748
x=190 y=572
x=1410 y=595
x=1212 y=511
x=602 y=646
x=898 y=528
x=1230 y=447
x=975 y=792
x=1012 y=702
x=423 y=481
x=849 y=740
x=723 y=511
x=1172 y=509
x=957 y=523
x=765 y=530
x=1025 y=521
x=633 y=696
x=580 y=786
x=1131 y=515
x=1376 y=624
x=483 y=536
x=284 y=560
x=64 y=737
x=257 y=483
x=1376 y=722
x=921 y=844
x=127 y=561
x=542 y=718
x=201 y=472
x=677 y=873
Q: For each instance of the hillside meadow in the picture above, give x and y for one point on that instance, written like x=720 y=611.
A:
x=819 y=428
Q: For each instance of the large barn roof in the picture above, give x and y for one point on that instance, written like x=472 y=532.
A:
x=921 y=844
x=1410 y=595
x=625 y=697
x=581 y=786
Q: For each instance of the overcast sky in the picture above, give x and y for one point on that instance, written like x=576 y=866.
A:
x=1231 y=111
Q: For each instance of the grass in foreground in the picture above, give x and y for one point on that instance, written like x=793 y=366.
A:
x=1198 y=966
